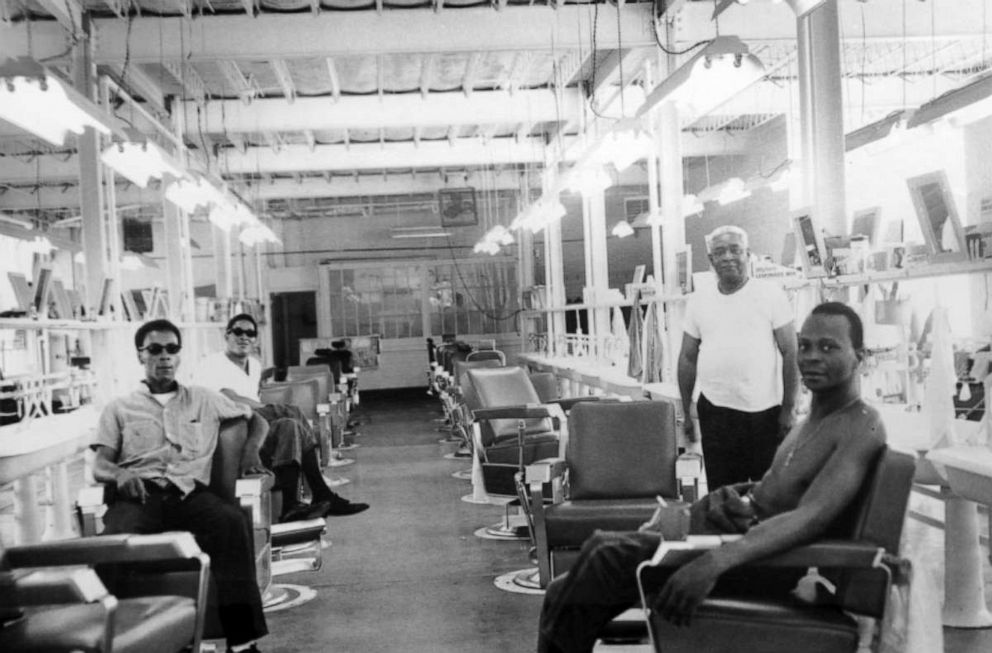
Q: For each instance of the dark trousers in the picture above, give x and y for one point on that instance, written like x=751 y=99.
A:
x=223 y=532
x=289 y=449
x=737 y=446
x=603 y=583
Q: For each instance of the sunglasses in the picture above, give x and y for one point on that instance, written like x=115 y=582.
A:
x=155 y=349
x=238 y=331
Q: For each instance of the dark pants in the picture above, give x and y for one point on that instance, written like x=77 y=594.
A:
x=289 y=436
x=289 y=449
x=223 y=532
x=603 y=583
x=737 y=446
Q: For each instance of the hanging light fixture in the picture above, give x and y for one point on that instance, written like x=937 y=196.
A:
x=718 y=72
x=37 y=101
x=254 y=234
x=140 y=160
x=622 y=229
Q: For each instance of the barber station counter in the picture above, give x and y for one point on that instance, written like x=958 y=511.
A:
x=961 y=477
x=46 y=443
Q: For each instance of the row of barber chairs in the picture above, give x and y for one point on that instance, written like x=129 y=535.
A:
x=595 y=463
x=153 y=593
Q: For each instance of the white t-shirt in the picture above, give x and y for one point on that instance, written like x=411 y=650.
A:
x=216 y=371
x=739 y=364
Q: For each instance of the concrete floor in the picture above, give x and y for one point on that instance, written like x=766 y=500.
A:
x=409 y=575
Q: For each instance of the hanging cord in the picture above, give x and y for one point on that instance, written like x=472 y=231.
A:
x=661 y=46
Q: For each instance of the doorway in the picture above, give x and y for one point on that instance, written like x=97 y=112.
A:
x=294 y=316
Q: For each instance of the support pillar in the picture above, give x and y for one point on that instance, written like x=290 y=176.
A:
x=554 y=273
x=597 y=263
x=822 y=112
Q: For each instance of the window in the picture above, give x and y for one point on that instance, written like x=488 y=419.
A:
x=396 y=300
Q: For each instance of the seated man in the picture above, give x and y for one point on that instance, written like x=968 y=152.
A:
x=816 y=472
x=290 y=447
x=157 y=445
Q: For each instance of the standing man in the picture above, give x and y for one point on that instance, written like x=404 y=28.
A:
x=291 y=448
x=739 y=346
x=817 y=472
x=156 y=445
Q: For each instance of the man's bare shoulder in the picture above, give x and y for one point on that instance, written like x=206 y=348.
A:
x=861 y=427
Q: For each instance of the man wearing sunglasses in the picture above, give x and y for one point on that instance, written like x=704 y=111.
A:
x=291 y=447
x=156 y=445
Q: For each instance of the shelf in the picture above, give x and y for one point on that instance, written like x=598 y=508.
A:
x=902 y=274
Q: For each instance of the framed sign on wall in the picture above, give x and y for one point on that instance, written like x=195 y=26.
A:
x=457 y=207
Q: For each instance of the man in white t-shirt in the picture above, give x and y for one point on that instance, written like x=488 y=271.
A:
x=290 y=449
x=739 y=350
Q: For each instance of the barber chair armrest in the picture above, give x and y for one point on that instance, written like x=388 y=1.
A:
x=50 y=586
x=522 y=411
x=545 y=470
x=567 y=403
x=828 y=553
x=176 y=545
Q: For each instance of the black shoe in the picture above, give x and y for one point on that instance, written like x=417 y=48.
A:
x=304 y=511
x=340 y=507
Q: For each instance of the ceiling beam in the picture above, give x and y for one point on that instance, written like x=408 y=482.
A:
x=357 y=33
x=368 y=156
x=68 y=13
x=49 y=198
x=285 y=78
x=369 y=112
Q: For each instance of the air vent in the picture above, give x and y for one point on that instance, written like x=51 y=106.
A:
x=635 y=206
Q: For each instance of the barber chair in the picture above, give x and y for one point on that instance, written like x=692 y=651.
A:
x=56 y=596
x=859 y=556
x=254 y=495
x=331 y=404
x=619 y=458
x=546 y=385
x=453 y=403
x=498 y=443
x=486 y=355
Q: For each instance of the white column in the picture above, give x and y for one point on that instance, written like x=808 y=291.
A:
x=822 y=111
x=555 y=276
x=597 y=263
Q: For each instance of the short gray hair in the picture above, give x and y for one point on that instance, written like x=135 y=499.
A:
x=725 y=229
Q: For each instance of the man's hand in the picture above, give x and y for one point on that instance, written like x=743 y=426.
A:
x=130 y=486
x=686 y=589
x=786 y=420
x=728 y=512
x=251 y=463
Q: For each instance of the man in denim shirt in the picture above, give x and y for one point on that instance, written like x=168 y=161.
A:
x=157 y=445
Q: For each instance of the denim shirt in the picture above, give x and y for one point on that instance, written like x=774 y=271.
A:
x=174 y=442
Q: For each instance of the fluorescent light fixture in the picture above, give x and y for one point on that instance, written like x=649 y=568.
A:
x=626 y=143
x=622 y=229
x=255 y=234
x=140 y=160
x=718 y=72
x=37 y=101
x=691 y=205
x=732 y=190
x=963 y=105
x=586 y=179
x=419 y=232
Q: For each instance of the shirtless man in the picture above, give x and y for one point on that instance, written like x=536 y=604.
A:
x=816 y=472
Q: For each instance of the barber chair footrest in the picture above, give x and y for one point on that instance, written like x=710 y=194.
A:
x=298 y=532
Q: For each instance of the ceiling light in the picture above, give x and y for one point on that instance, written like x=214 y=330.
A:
x=963 y=105
x=622 y=229
x=37 y=101
x=718 y=72
x=419 y=232
x=691 y=205
x=140 y=160
x=257 y=233
x=732 y=190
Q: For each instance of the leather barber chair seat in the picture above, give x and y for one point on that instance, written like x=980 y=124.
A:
x=53 y=600
x=619 y=458
x=859 y=557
